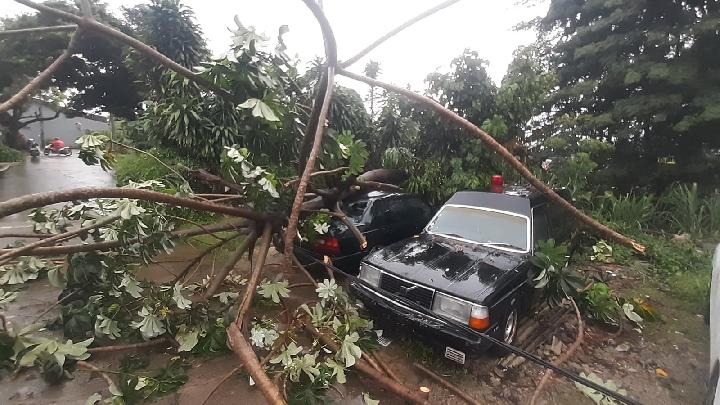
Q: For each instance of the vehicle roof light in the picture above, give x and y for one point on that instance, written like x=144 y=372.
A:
x=497 y=184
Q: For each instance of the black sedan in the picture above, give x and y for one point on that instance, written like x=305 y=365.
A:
x=468 y=272
x=383 y=218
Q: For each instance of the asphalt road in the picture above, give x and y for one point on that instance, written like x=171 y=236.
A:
x=43 y=174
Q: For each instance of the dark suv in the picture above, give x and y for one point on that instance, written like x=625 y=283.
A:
x=468 y=272
x=383 y=218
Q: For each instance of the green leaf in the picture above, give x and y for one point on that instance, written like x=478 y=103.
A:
x=187 y=338
x=349 y=351
x=286 y=356
x=274 y=290
x=150 y=325
x=56 y=277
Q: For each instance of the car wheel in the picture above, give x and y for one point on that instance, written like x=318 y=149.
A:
x=507 y=330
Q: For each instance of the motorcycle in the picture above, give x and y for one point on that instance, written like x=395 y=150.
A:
x=33 y=147
x=64 y=151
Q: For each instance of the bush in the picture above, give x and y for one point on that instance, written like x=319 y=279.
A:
x=629 y=211
x=8 y=154
x=686 y=210
x=139 y=167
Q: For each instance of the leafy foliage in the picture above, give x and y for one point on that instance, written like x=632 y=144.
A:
x=554 y=276
x=8 y=154
x=643 y=77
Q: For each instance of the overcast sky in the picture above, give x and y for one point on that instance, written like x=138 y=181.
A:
x=481 y=25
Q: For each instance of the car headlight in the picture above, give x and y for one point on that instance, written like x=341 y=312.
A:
x=465 y=312
x=370 y=274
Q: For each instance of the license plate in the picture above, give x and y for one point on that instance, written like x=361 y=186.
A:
x=384 y=341
x=454 y=355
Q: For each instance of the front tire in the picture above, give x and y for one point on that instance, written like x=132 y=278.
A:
x=507 y=330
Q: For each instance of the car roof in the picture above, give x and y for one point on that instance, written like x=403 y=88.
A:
x=519 y=200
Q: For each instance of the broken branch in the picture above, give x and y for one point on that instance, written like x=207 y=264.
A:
x=331 y=54
x=488 y=140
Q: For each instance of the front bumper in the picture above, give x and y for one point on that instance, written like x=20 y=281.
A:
x=429 y=327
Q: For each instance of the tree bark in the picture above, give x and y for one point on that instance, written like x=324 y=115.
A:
x=237 y=340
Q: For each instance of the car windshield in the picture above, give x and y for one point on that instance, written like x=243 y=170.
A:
x=489 y=228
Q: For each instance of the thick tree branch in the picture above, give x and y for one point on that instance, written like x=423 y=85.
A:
x=354 y=229
x=395 y=31
x=331 y=54
x=237 y=340
x=374 y=185
x=42 y=78
x=488 y=140
x=19 y=204
x=23 y=31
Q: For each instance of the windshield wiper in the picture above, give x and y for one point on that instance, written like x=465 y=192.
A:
x=501 y=244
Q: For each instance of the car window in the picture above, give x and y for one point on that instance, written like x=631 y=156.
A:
x=540 y=224
x=561 y=225
x=496 y=229
x=415 y=210
x=354 y=210
x=387 y=211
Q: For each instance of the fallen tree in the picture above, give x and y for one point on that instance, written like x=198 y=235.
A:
x=141 y=227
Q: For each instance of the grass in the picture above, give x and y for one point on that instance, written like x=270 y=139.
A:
x=8 y=154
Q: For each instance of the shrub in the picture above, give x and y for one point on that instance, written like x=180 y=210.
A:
x=687 y=211
x=8 y=154
x=629 y=211
x=139 y=167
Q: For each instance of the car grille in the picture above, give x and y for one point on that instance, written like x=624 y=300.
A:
x=410 y=291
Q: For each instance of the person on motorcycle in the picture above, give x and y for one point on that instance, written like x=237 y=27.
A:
x=57 y=144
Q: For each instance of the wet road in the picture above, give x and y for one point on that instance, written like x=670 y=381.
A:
x=46 y=174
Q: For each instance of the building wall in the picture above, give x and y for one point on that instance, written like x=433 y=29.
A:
x=63 y=127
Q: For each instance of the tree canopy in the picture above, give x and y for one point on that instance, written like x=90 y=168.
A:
x=643 y=76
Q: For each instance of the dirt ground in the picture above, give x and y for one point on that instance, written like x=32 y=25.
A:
x=637 y=361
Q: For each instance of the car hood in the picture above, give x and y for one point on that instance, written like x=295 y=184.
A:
x=464 y=270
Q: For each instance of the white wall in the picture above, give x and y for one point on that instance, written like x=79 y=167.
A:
x=62 y=127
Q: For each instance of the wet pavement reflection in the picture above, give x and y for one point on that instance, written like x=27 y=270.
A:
x=41 y=174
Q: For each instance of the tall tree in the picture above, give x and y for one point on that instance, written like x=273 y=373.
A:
x=170 y=27
x=372 y=70
x=644 y=76
x=95 y=73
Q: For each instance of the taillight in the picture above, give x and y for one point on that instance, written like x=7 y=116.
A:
x=497 y=184
x=327 y=246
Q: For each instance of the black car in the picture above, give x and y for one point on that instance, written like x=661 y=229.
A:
x=382 y=217
x=469 y=270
